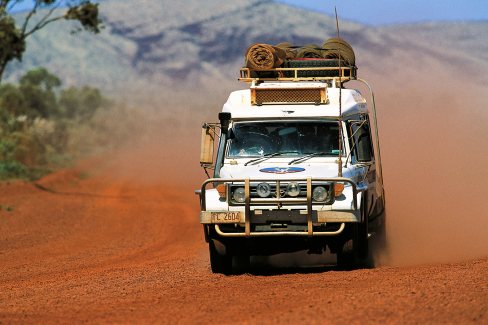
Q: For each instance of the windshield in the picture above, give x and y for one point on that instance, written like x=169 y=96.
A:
x=256 y=139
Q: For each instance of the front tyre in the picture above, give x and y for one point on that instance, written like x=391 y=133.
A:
x=356 y=252
x=219 y=263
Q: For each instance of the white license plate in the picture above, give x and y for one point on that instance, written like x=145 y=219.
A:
x=226 y=217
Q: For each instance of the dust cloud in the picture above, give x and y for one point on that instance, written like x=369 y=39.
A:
x=433 y=140
x=158 y=139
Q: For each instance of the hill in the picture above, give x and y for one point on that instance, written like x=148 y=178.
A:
x=161 y=43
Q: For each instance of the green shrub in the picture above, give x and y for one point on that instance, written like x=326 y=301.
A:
x=13 y=169
x=39 y=123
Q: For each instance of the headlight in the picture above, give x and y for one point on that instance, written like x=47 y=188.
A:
x=319 y=194
x=293 y=189
x=263 y=189
x=239 y=195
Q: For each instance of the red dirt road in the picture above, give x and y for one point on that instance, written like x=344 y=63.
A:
x=85 y=248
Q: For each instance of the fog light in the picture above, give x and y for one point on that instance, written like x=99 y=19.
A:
x=239 y=195
x=319 y=194
x=293 y=189
x=263 y=189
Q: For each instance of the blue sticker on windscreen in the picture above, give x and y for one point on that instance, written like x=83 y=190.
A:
x=282 y=170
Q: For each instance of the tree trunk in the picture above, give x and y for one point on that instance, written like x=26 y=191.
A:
x=3 y=64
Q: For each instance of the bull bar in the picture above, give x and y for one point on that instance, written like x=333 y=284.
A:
x=278 y=200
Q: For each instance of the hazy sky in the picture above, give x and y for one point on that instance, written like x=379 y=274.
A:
x=379 y=12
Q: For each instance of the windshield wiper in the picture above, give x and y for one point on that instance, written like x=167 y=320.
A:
x=311 y=155
x=270 y=155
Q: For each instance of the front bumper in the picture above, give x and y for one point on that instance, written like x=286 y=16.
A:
x=300 y=210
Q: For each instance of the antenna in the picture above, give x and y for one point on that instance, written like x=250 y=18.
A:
x=337 y=22
x=339 y=163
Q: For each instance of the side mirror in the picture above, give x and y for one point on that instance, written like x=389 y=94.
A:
x=207 y=145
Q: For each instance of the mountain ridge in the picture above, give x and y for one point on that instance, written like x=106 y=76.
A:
x=160 y=42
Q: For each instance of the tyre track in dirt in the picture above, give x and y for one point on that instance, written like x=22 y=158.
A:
x=104 y=250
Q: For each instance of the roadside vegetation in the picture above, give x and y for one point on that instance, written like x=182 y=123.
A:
x=41 y=124
x=39 y=119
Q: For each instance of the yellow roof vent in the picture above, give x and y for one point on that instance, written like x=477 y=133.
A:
x=292 y=93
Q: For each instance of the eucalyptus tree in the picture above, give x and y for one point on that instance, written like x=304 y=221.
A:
x=39 y=14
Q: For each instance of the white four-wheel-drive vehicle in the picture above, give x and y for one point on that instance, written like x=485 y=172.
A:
x=297 y=167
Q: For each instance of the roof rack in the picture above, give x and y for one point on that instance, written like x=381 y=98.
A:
x=299 y=74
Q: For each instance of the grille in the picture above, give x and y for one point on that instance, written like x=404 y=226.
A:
x=275 y=96
x=303 y=193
